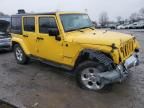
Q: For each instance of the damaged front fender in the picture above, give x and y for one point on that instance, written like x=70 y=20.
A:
x=118 y=74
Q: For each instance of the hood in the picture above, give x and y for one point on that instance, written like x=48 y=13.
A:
x=4 y=25
x=97 y=37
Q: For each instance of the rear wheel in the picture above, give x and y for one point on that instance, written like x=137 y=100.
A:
x=20 y=56
x=87 y=75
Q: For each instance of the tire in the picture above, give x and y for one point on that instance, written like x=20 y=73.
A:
x=20 y=56
x=83 y=76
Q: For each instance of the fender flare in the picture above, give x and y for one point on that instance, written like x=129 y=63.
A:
x=94 y=55
x=24 y=47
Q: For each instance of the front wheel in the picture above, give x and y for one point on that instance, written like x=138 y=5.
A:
x=86 y=75
x=20 y=56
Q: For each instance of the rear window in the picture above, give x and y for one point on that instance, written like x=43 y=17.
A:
x=16 y=25
x=29 y=24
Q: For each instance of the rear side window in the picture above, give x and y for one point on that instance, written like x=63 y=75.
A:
x=29 y=24
x=16 y=24
x=46 y=24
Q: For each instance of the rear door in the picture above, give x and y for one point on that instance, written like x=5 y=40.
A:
x=29 y=33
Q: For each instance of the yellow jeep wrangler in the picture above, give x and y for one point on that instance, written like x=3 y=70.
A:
x=70 y=41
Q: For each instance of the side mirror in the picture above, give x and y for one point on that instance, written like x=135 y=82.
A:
x=58 y=38
x=55 y=32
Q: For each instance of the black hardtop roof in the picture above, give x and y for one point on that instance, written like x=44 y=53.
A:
x=33 y=14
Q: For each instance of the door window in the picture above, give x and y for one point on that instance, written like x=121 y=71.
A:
x=46 y=24
x=29 y=24
x=16 y=25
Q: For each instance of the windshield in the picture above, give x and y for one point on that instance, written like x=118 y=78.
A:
x=75 y=21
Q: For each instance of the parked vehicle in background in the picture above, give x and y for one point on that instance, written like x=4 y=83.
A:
x=5 y=38
x=70 y=41
x=135 y=25
x=139 y=25
x=5 y=41
x=123 y=26
x=112 y=26
x=98 y=26
x=142 y=25
x=129 y=26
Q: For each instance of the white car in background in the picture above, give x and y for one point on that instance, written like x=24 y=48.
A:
x=140 y=25
x=136 y=25
x=130 y=26
x=121 y=26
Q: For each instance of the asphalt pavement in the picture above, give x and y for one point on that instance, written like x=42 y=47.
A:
x=38 y=85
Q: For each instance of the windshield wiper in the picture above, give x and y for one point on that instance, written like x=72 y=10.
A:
x=91 y=28
x=88 y=27
x=79 y=29
x=75 y=30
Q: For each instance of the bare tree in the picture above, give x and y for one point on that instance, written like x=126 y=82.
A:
x=134 y=17
x=2 y=14
x=119 y=20
x=142 y=12
x=103 y=19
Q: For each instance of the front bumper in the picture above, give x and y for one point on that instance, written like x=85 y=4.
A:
x=121 y=71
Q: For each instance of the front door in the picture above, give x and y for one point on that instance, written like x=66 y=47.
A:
x=48 y=47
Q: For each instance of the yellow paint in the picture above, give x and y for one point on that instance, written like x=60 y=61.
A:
x=58 y=51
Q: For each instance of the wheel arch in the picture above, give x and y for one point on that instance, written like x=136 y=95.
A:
x=23 y=46
x=93 y=55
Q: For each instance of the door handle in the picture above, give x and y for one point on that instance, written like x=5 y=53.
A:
x=25 y=36
x=39 y=38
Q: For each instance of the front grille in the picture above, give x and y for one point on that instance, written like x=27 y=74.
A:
x=127 y=48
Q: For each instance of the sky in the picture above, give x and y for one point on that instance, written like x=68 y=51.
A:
x=94 y=8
